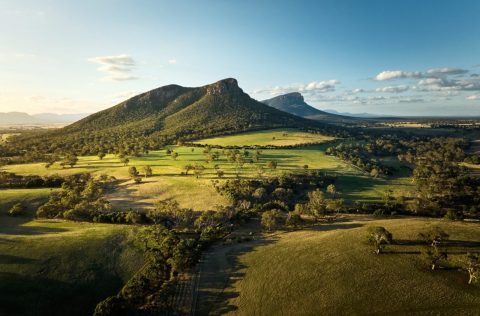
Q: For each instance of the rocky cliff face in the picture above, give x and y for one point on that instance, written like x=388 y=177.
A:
x=225 y=86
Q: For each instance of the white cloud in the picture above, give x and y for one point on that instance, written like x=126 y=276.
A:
x=435 y=72
x=393 y=89
x=397 y=74
x=116 y=68
x=305 y=88
x=430 y=73
x=121 y=60
x=473 y=97
x=172 y=61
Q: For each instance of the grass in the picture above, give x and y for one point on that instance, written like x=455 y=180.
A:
x=276 y=137
x=50 y=267
x=169 y=183
x=332 y=271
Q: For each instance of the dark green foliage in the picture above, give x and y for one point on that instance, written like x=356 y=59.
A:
x=80 y=198
x=13 y=181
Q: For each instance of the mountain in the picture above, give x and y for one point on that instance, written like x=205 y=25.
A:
x=294 y=103
x=171 y=113
x=21 y=118
x=18 y=118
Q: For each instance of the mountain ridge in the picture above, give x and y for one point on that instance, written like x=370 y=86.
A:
x=169 y=114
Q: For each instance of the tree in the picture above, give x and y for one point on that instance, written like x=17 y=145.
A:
x=435 y=255
x=198 y=170
x=187 y=168
x=379 y=237
x=293 y=219
x=272 y=165
x=133 y=172
x=334 y=205
x=220 y=173
x=17 y=209
x=124 y=160
x=137 y=180
x=271 y=219
x=148 y=171
x=69 y=160
x=174 y=155
x=434 y=236
x=101 y=155
x=332 y=190
x=472 y=265
x=316 y=203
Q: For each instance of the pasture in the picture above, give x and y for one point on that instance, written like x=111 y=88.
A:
x=331 y=270
x=170 y=180
x=278 y=137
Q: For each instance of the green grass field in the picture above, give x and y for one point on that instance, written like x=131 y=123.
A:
x=331 y=270
x=52 y=267
x=168 y=182
x=280 y=137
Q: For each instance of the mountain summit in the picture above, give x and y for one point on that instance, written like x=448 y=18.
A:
x=295 y=104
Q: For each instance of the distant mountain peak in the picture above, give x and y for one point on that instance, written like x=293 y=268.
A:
x=294 y=103
x=293 y=97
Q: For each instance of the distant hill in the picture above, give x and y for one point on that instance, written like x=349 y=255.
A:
x=171 y=113
x=294 y=103
x=18 y=118
x=360 y=115
x=21 y=118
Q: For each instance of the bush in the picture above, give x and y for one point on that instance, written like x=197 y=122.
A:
x=271 y=219
x=454 y=215
x=17 y=210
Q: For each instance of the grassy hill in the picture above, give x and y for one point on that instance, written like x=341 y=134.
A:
x=50 y=267
x=331 y=270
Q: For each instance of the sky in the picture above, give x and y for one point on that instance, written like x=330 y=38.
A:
x=401 y=57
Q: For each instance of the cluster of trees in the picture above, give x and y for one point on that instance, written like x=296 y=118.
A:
x=443 y=186
x=435 y=253
x=80 y=198
x=361 y=155
x=171 y=245
x=10 y=180
x=285 y=199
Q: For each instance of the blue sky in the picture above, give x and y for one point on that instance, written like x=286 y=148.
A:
x=385 y=57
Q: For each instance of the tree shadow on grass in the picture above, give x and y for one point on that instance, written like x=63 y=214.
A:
x=334 y=226
x=220 y=268
x=9 y=259
x=31 y=230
